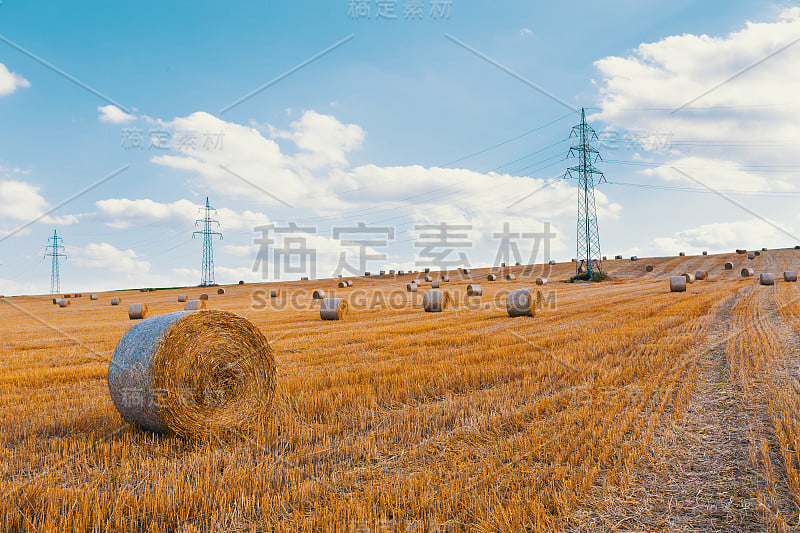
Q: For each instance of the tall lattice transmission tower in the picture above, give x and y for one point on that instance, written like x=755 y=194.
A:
x=208 y=251
x=54 y=249
x=589 y=258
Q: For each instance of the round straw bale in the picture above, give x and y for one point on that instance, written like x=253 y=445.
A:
x=428 y=279
x=400 y=272
x=681 y=254
x=274 y=293
x=523 y=302
x=55 y=301
x=797 y=247
x=605 y=258
x=137 y=311
x=541 y=281
x=740 y=251
x=766 y=278
x=511 y=277
x=181 y=298
x=93 y=297
x=411 y=287
x=203 y=296
x=434 y=285
x=517 y=264
x=67 y=296
x=648 y=268
x=318 y=294
x=220 y=291
x=445 y=279
x=474 y=290
x=705 y=252
x=78 y=295
x=349 y=282
x=64 y=303
x=701 y=274
x=196 y=374
x=435 y=301
x=502 y=264
x=342 y=284
x=617 y=257
x=391 y=272
x=304 y=278
x=728 y=266
x=491 y=277
x=751 y=256
x=382 y=272
x=116 y=301
x=194 y=305
x=366 y=274
x=551 y=262
x=677 y=284
x=466 y=270
x=790 y=275
x=763 y=249
x=747 y=272
x=756 y=253
x=241 y=282
x=427 y=270
x=333 y=309
x=634 y=258
x=689 y=277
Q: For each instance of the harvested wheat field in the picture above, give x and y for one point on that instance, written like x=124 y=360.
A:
x=662 y=412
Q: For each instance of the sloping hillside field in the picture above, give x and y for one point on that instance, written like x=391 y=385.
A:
x=619 y=406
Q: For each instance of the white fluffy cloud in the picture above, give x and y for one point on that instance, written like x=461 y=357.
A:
x=122 y=213
x=22 y=202
x=719 y=237
x=113 y=114
x=10 y=82
x=108 y=258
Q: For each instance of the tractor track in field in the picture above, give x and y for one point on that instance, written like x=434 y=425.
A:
x=700 y=474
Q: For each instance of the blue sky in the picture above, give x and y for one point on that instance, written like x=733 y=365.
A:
x=362 y=133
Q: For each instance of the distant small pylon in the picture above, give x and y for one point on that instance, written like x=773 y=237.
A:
x=208 y=251
x=54 y=249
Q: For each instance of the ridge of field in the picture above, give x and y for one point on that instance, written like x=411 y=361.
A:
x=397 y=419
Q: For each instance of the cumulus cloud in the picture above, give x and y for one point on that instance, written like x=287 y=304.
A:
x=22 y=203
x=10 y=82
x=751 y=233
x=122 y=213
x=113 y=114
x=106 y=257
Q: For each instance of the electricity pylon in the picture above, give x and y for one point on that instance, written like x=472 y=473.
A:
x=208 y=251
x=54 y=249
x=588 y=247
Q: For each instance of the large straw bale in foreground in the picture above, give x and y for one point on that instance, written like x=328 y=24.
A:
x=192 y=373
x=435 y=301
x=333 y=309
x=523 y=302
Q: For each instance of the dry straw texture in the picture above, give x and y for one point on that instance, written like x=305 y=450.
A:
x=435 y=301
x=333 y=309
x=677 y=284
x=194 y=305
x=196 y=374
x=523 y=302
x=474 y=290
x=137 y=311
